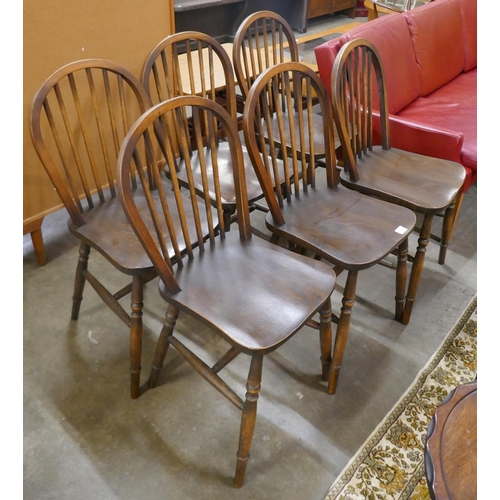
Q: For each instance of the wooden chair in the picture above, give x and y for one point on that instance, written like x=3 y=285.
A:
x=254 y=294
x=78 y=119
x=263 y=40
x=426 y=185
x=347 y=229
x=192 y=63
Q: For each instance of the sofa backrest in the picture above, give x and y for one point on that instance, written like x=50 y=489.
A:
x=391 y=37
x=421 y=50
x=436 y=33
x=468 y=9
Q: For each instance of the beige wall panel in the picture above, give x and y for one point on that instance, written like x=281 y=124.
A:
x=57 y=32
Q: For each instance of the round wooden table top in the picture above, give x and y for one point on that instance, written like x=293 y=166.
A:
x=451 y=446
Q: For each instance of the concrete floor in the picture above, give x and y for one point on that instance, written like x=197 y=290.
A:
x=84 y=438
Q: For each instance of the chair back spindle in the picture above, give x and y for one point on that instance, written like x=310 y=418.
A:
x=156 y=230
x=79 y=117
x=274 y=99
x=359 y=86
x=264 y=39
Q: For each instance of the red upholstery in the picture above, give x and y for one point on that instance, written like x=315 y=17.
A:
x=429 y=56
x=392 y=31
x=437 y=25
x=469 y=27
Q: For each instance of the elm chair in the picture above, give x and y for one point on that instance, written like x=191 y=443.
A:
x=263 y=40
x=192 y=63
x=311 y=211
x=428 y=186
x=253 y=294
x=78 y=119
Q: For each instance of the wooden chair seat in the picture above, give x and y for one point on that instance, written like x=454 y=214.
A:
x=265 y=271
x=346 y=228
x=225 y=173
x=108 y=231
x=394 y=174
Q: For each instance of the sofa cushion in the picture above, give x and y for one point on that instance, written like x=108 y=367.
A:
x=468 y=9
x=452 y=107
x=387 y=33
x=436 y=33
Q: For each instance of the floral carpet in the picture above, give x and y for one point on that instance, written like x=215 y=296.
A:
x=390 y=465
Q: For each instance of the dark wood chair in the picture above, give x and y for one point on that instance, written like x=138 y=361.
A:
x=426 y=185
x=237 y=285
x=78 y=119
x=263 y=40
x=349 y=230
x=192 y=63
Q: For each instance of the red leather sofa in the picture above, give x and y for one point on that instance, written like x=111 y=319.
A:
x=429 y=56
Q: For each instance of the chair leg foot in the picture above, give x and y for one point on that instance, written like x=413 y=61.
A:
x=343 y=327
x=248 y=419
x=83 y=260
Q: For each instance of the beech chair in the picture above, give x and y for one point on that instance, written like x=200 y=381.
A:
x=426 y=185
x=254 y=294
x=192 y=63
x=79 y=117
x=263 y=40
x=315 y=215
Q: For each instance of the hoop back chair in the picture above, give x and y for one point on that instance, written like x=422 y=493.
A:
x=237 y=285
x=79 y=117
x=192 y=63
x=426 y=185
x=263 y=40
x=312 y=212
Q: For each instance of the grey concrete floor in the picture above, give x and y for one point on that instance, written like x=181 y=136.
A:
x=84 y=438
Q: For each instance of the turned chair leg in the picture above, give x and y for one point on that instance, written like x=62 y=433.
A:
x=83 y=261
x=401 y=277
x=417 y=268
x=163 y=344
x=136 y=336
x=248 y=418
x=449 y=225
x=449 y=215
x=325 y=337
x=458 y=205
x=342 y=330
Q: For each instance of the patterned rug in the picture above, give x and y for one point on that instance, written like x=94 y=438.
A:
x=390 y=465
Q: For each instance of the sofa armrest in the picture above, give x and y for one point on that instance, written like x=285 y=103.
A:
x=421 y=138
